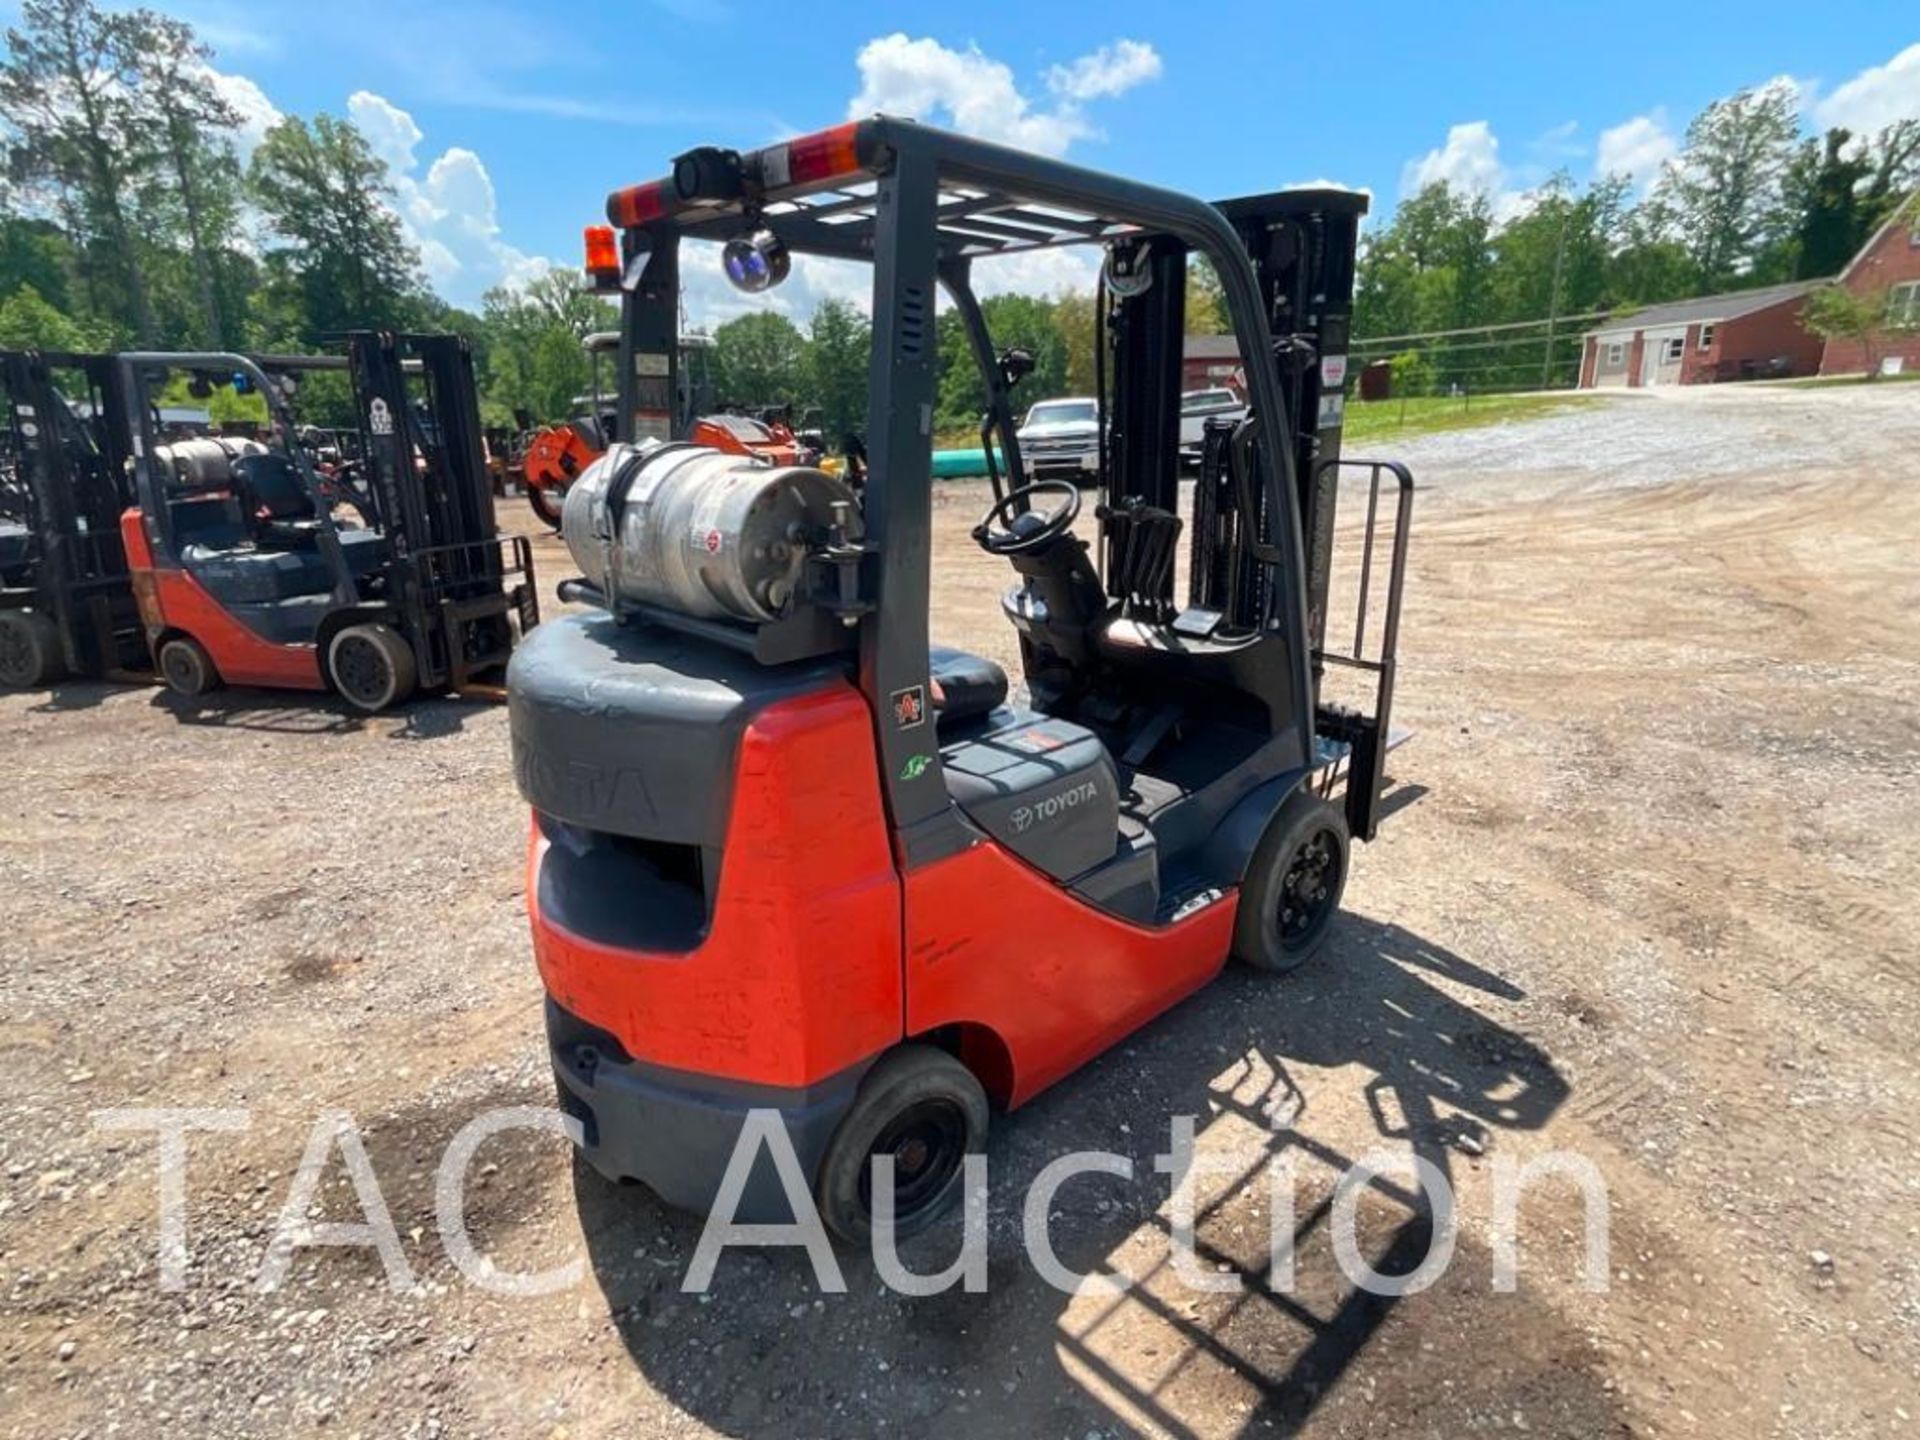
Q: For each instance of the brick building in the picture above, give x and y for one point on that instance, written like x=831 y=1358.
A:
x=1746 y=335
x=1211 y=361
x=1888 y=265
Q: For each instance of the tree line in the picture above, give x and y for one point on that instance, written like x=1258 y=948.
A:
x=127 y=217
x=1749 y=201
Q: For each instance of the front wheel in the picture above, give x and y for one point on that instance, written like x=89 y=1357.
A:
x=1293 y=886
x=29 y=650
x=371 y=666
x=926 y=1110
x=187 y=668
x=547 y=501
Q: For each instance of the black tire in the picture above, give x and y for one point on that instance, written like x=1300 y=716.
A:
x=186 y=667
x=928 y=1110
x=370 y=666
x=29 y=650
x=1293 y=886
x=546 y=502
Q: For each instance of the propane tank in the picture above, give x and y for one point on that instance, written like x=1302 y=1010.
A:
x=205 y=462
x=698 y=531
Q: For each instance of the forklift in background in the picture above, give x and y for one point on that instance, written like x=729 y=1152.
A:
x=247 y=572
x=785 y=852
x=66 y=596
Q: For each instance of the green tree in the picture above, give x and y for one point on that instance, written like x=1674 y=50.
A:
x=839 y=365
x=36 y=252
x=71 y=90
x=344 y=261
x=1834 y=312
x=1722 y=194
x=1074 y=319
x=189 y=119
x=28 y=322
x=1206 y=303
x=528 y=344
x=759 y=359
x=1829 y=176
x=1012 y=320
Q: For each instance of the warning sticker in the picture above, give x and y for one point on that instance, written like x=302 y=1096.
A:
x=1034 y=741
x=1333 y=409
x=713 y=540
x=651 y=364
x=909 y=707
x=379 y=418
x=1333 y=372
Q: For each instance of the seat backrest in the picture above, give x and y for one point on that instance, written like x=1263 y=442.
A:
x=273 y=486
x=214 y=522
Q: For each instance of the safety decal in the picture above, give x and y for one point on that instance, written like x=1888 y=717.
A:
x=909 y=707
x=379 y=418
x=1333 y=371
x=1034 y=742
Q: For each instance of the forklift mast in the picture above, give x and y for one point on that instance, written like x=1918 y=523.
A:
x=433 y=498
x=1304 y=244
x=69 y=482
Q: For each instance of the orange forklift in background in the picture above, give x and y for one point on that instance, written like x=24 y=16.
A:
x=247 y=573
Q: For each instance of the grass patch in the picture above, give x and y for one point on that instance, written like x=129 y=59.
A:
x=1822 y=382
x=1431 y=414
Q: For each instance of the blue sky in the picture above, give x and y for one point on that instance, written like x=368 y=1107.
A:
x=508 y=122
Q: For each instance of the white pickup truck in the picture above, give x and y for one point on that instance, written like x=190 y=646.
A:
x=1196 y=408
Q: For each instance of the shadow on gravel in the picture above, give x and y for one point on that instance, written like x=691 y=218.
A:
x=765 y=1352
x=66 y=695
x=300 y=712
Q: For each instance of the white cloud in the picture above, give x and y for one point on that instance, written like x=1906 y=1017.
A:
x=978 y=95
x=450 y=212
x=1636 y=148
x=1559 y=142
x=1469 y=161
x=257 y=113
x=1111 y=70
x=1876 y=97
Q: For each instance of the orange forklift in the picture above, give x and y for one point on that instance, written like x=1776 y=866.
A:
x=786 y=853
x=252 y=568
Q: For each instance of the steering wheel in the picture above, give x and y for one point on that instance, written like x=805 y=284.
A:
x=1001 y=532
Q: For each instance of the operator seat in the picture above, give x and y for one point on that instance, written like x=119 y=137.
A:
x=282 y=517
x=1042 y=786
x=967 y=686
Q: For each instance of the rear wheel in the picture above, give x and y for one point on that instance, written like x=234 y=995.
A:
x=547 y=501
x=926 y=1110
x=29 y=650
x=1293 y=885
x=186 y=667
x=371 y=666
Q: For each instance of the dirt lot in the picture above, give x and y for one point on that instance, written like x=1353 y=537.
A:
x=1653 y=903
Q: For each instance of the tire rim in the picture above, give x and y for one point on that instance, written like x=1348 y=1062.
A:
x=183 y=669
x=928 y=1143
x=361 y=671
x=1306 y=894
x=17 y=659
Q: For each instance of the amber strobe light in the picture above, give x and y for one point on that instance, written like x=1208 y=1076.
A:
x=603 y=255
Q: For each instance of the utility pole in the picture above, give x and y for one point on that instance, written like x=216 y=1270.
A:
x=1553 y=300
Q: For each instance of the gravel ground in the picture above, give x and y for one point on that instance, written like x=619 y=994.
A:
x=1651 y=901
